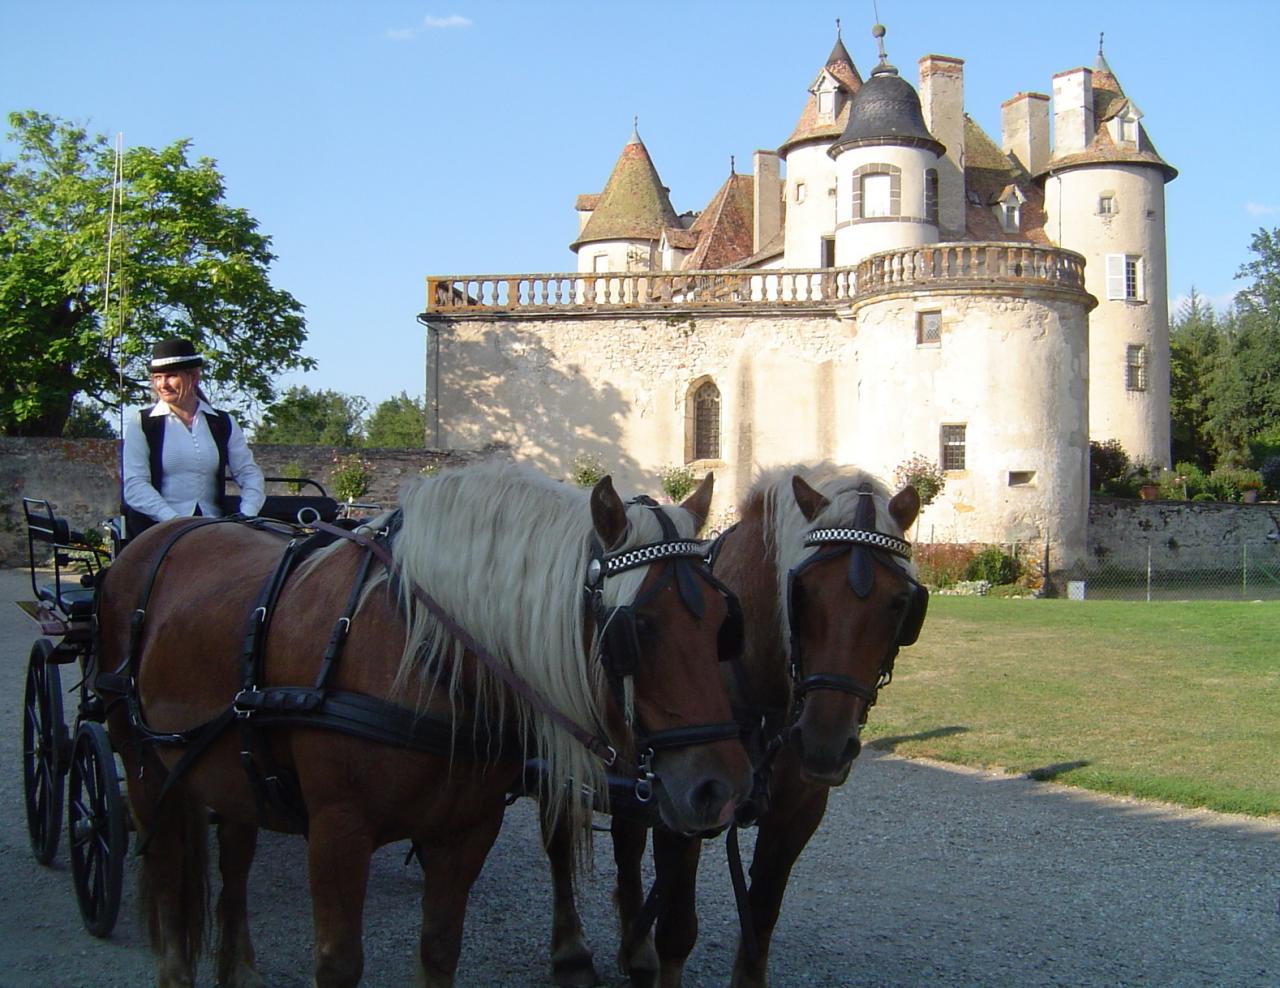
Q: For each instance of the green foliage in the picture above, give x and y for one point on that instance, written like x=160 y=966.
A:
x=923 y=474
x=183 y=263
x=352 y=477
x=1110 y=469
x=313 y=418
x=587 y=470
x=87 y=423
x=943 y=564
x=678 y=482
x=993 y=565
x=399 y=422
x=1229 y=483
x=294 y=469
x=1194 y=339
x=1270 y=474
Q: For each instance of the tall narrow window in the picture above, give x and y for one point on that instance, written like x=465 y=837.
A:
x=828 y=252
x=706 y=422
x=801 y=191
x=931 y=196
x=876 y=190
x=953 y=447
x=928 y=328
x=1135 y=368
x=1124 y=277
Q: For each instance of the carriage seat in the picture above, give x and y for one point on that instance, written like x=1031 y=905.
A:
x=299 y=508
x=76 y=602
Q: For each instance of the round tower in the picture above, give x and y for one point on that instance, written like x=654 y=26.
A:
x=1104 y=198
x=886 y=165
x=809 y=240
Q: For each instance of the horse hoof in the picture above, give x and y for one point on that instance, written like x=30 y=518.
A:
x=642 y=979
x=574 y=972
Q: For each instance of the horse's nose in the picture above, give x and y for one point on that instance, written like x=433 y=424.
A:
x=852 y=749
x=712 y=799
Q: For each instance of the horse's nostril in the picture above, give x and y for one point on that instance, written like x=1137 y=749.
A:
x=853 y=749
x=710 y=796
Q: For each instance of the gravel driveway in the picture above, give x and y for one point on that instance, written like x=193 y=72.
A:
x=920 y=875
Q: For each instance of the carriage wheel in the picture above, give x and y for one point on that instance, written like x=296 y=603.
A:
x=44 y=745
x=97 y=828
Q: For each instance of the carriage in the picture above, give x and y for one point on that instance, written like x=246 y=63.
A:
x=75 y=766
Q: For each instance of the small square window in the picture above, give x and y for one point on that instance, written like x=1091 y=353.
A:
x=928 y=328
x=1021 y=478
x=953 y=447
x=1106 y=205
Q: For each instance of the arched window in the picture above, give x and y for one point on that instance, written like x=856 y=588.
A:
x=706 y=422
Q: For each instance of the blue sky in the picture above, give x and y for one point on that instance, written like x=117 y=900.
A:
x=380 y=142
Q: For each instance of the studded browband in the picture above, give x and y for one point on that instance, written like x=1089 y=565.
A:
x=619 y=562
x=858 y=536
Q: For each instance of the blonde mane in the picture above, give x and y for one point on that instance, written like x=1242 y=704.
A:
x=504 y=550
x=785 y=525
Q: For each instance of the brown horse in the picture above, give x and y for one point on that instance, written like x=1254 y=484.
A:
x=506 y=552
x=829 y=595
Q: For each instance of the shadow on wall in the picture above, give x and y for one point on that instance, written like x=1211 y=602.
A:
x=508 y=387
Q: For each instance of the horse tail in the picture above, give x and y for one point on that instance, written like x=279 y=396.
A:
x=173 y=882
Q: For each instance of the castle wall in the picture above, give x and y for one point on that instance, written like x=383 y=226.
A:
x=1011 y=370
x=1138 y=419
x=814 y=217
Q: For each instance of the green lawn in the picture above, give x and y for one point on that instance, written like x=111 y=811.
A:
x=1171 y=701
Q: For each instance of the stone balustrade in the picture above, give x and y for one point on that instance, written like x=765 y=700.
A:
x=938 y=265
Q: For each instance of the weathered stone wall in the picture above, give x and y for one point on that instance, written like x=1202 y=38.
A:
x=1181 y=535
x=81 y=478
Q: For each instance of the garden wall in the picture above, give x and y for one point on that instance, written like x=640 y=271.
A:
x=1180 y=535
x=81 y=478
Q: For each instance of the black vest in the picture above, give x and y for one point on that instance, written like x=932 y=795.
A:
x=153 y=430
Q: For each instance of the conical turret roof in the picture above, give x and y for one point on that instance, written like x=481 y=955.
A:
x=634 y=204
x=810 y=127
x=1109 y=101
x=724 y=230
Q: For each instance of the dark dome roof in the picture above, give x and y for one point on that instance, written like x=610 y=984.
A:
x=886 y=110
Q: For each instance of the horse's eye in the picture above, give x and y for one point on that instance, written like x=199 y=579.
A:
x=646 y=629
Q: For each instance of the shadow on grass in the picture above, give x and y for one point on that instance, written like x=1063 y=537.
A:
x=1048 y=773
x=891 y=743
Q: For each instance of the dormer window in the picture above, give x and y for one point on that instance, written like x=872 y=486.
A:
x=1009 y=209
x=826 y=104
x=1124 y=125
x=827 y=89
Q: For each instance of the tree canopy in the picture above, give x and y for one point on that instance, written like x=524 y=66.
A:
x=183 y=263
x=397 y=422
x=313 y=418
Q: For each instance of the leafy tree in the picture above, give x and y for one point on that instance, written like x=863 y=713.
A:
x=398 y=422
x=85 y=422
x=1193 y=345
x=183 y=263
x=313 y=418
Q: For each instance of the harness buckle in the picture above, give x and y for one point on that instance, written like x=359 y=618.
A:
x=644 y=784
x=241 y=705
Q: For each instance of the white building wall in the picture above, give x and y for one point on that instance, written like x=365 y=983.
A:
x=814 y=217
x=1138 y=419
x=857 y=237
x=616 y=255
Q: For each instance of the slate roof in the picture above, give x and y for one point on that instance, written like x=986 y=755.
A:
x=634 y=204
x=886 y=111
x=809 y=127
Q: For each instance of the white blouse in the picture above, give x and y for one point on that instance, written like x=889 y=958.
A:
x=190 y=468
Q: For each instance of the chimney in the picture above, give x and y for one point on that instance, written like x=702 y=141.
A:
x=1072 y=111
x=768 y=198
x=942 y=100
x=1024 y=125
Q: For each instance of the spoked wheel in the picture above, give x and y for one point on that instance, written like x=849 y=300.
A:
x=44 y=748
x=97 y=828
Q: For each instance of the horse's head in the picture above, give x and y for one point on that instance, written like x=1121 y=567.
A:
x=663 y=624
x=852 y=599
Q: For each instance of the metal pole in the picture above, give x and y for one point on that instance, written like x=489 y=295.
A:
x=1244 y=570
x=1148 y=572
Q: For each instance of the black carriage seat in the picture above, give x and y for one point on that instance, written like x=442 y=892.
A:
x=76 y=602
x=299 y=509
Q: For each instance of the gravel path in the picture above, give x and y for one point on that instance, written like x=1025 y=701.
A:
x=921 y=874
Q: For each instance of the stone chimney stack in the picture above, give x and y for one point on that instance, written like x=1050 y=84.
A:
x=1024 y=123
x=768 y=198
x=942 y=100
x=1072 y=111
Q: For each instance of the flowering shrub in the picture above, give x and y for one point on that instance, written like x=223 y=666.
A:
x=677 y=482
x=587 y=470
x=922 y=474
x=351 y=477
x=943 y=564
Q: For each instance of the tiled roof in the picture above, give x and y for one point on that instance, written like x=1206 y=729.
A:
x=724 y=228
x=587 y=202
x=1109 y=101
x=809 y=127
x=681 y=238
x=634 y=204
x=988 y=175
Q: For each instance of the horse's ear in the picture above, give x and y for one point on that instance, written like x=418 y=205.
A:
x=698 y=503
x=904 y=506
x=608 y=513
x=810 y=501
